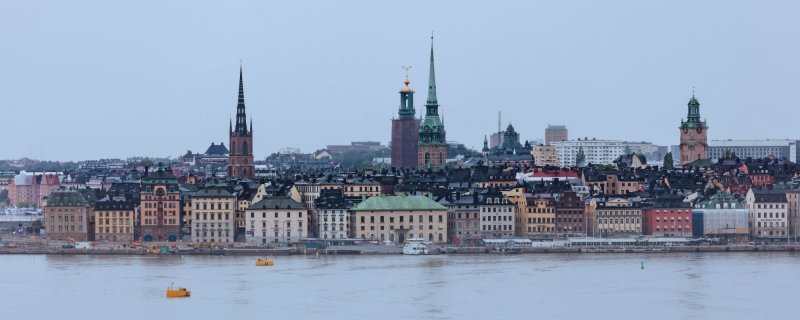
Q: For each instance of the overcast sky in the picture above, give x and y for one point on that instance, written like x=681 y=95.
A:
x=86 y=80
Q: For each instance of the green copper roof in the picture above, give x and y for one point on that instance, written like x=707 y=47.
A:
x=720 y=199
x=398 y=203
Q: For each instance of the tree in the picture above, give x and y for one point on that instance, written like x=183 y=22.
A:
x=580 y=158
x=669 y=163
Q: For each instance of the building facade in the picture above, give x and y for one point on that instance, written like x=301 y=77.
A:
x=431 y=143
x=667 y=217
x=160 y=207
x=497 y=215
x=617 y=217
x=755 y=149
x=276 y=220
x=405 y=131
x=555 y=134
x=114 y=219
x=67 y=217
x=536 y=216
x=597 y=151
x=240 y=156
x=545 y=155
x=769 y=212
x=570 y=215
x=723 y=217
x=213 y=215
x=463 y=220
x=399 y=218
x=694 y=135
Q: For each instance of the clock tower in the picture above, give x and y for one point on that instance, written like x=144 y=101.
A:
x=694 y=135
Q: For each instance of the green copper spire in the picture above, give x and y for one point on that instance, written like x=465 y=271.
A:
x=693 y=114
x=431 y=129
x=432 y=81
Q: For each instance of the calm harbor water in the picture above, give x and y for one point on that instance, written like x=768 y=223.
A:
x=529 y=286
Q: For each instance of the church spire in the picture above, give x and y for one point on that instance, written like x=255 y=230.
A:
x=241 y=116
x=432 y=81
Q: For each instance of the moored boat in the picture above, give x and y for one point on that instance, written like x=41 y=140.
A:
x=415 y=246
x=178 y=292
x=265 y=262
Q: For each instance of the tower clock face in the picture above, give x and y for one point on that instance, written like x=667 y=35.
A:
x=685 y=130
x=699 y=129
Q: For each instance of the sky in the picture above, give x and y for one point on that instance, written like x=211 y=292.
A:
x=102 y=79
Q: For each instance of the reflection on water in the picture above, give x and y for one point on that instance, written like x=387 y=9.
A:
x=600 y=286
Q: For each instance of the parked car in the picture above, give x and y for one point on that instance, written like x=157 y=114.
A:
x=67 y=246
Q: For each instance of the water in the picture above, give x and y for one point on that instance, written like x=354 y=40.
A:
x=532 y=286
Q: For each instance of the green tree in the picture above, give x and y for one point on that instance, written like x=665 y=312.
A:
x=669 y=163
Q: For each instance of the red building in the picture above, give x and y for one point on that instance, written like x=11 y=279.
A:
x=668 y=216
x=405 y=131
x=160 y=207
x=240 y=158
x=571 y=215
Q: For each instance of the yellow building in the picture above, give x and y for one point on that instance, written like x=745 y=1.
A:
x=536 y=216
x=545 y=155
x=114 y=219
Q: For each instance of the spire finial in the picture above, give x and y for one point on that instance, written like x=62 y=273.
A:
x=431 y=38
x=692 y=91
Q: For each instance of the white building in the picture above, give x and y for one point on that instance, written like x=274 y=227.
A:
x=276 y=220
x=496 y=216
x=598 y=151
x=213 y=215
x=756 y=149
x=333 y=223
x=768 y=213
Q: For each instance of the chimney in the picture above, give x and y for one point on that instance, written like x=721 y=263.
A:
x=146 y=170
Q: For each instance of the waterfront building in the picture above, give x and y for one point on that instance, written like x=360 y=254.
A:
x=722 y=217
x=463 y=220
x=398 y=218
x=276 y=220
x=332 y=215
x=755 y=149
x=694 y=135
x=405 y=131
x=668 y=216
x=432 y=143
x=536 y=216
x=114 y=218
x=160 y=206
x=67 y=216
x=793 y=204
x=570 y=215
x=240 y=157
x=214 y=213
x=496 y=215
x=768 y=210
x=555 y=134
x=617 y=217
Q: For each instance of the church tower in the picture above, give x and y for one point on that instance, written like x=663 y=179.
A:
x=432 y=149
x=405 y=129
x=694 y=138
x=240 y=158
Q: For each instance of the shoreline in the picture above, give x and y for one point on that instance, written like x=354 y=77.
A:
x=382 y=250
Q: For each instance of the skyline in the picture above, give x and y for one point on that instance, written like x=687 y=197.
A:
x=94 y=81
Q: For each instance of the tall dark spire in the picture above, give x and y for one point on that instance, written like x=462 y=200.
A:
x=432 y=81
x=241 y=117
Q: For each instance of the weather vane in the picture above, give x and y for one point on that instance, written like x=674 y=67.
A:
x=406 y=69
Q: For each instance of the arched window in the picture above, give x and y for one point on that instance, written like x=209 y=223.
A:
x=427 y=158
x=233 y=147
x=430 y=237
x=244 y=148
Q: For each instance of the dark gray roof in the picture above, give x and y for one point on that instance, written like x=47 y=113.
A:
x=276 y=202
x=217 y=150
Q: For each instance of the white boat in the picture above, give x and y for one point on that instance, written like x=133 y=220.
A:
x=415 y=246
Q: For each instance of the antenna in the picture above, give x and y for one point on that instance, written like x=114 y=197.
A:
x=498 y=121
